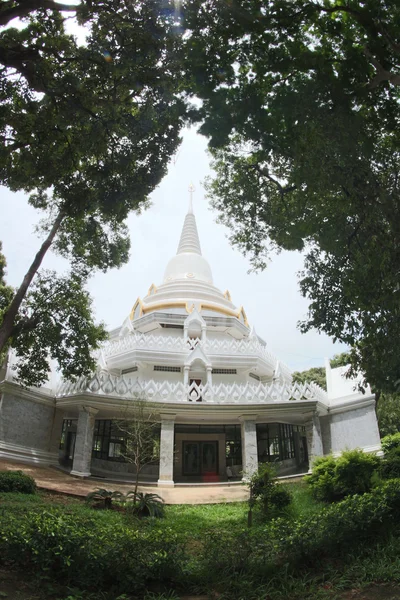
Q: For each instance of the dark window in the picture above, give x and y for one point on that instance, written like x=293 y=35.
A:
x=65 y=426
x=233 y=445
x=109 y=441
x=275 y=442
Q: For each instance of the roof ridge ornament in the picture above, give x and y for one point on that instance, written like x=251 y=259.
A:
x=191 y=190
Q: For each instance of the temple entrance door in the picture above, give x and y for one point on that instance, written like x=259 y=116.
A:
x=200 y=458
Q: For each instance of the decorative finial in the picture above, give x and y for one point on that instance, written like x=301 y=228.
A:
x=191 y=190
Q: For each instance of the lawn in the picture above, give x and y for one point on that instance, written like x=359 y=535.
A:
x=212 y=551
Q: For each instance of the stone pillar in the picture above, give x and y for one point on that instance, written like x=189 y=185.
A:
x=249 y=446
x=314 y=439
x=209 y=376
x=186 y=370
x=203 y=333
x=84 y=442
x=166 y=474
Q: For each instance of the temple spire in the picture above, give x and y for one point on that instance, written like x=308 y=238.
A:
x=191 y=190
x=189 y=241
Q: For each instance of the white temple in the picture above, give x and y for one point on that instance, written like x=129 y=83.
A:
x=224 y=402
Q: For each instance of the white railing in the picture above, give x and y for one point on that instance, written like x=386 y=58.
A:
x=103 y=383
x=137 y=341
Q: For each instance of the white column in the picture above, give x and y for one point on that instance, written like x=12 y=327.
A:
x=203 y=333
x=314 y=439
x=166 y=474
x=186 y=370
x=249 y=446
x=209 y=376
x=84 y=442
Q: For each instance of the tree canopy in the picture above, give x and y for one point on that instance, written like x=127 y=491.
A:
x=88 y=130
x=301 y=107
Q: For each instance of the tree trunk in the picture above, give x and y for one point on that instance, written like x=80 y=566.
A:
x=7 y=324
x=137 y=481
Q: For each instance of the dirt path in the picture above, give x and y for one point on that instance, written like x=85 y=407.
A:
x=50 y=478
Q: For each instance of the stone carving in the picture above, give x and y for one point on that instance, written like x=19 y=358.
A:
x=103 y=383
x=139 y=341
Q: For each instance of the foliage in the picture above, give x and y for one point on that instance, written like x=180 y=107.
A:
x=17 y=481
x=389 y=442
x=143 y=505
x=388 y=413
x=264 y=486
x=340 y=360
x=318 y=374
x=390 y=465
x=55 y=321
x=88 y=130
x=90 y=552
x=315 y=374
x=312 y=553
x=335 y=478
x=106 y=495
x=140 y=431
x=301 y=110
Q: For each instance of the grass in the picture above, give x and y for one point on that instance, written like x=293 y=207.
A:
x=337 y=579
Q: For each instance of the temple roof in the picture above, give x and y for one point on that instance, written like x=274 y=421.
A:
x=188 y=282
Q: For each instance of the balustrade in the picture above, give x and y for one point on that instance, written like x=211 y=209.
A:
x=160 y=343
x=103 y=383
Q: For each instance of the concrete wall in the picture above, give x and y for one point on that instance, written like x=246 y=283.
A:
x=349 y=429
x=27 y=429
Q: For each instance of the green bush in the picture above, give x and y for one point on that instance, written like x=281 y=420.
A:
x=282 y=543
x=280 y=497
x=351 y=473
x=390 y=464
x=322 y=478
x=264 y=487
x=389 y=442
x=90 y=551
x=17 y=481
x=352 y=521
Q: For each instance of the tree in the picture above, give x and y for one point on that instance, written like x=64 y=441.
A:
x=318 y=374
x=388 y=412
x=140 y=432
x=300 y=103
x=55 y=321
x=87 y=129
x=315 y=374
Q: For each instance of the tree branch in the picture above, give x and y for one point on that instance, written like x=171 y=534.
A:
x=9 y=11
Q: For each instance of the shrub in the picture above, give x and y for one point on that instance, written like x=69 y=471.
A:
x=351 y=473
x=390 y=465
x=352 y=521
x=145 y=505
x=354 y=472
x=264 y=486
x=280 y=497
x=17 y=481
x=107 y=496
x=389 y=442
x=90 y=551
x=322 y=478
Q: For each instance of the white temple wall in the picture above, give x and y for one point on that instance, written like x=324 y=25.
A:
x=349 y=429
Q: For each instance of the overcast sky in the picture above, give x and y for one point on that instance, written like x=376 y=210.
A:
x=271 y=299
